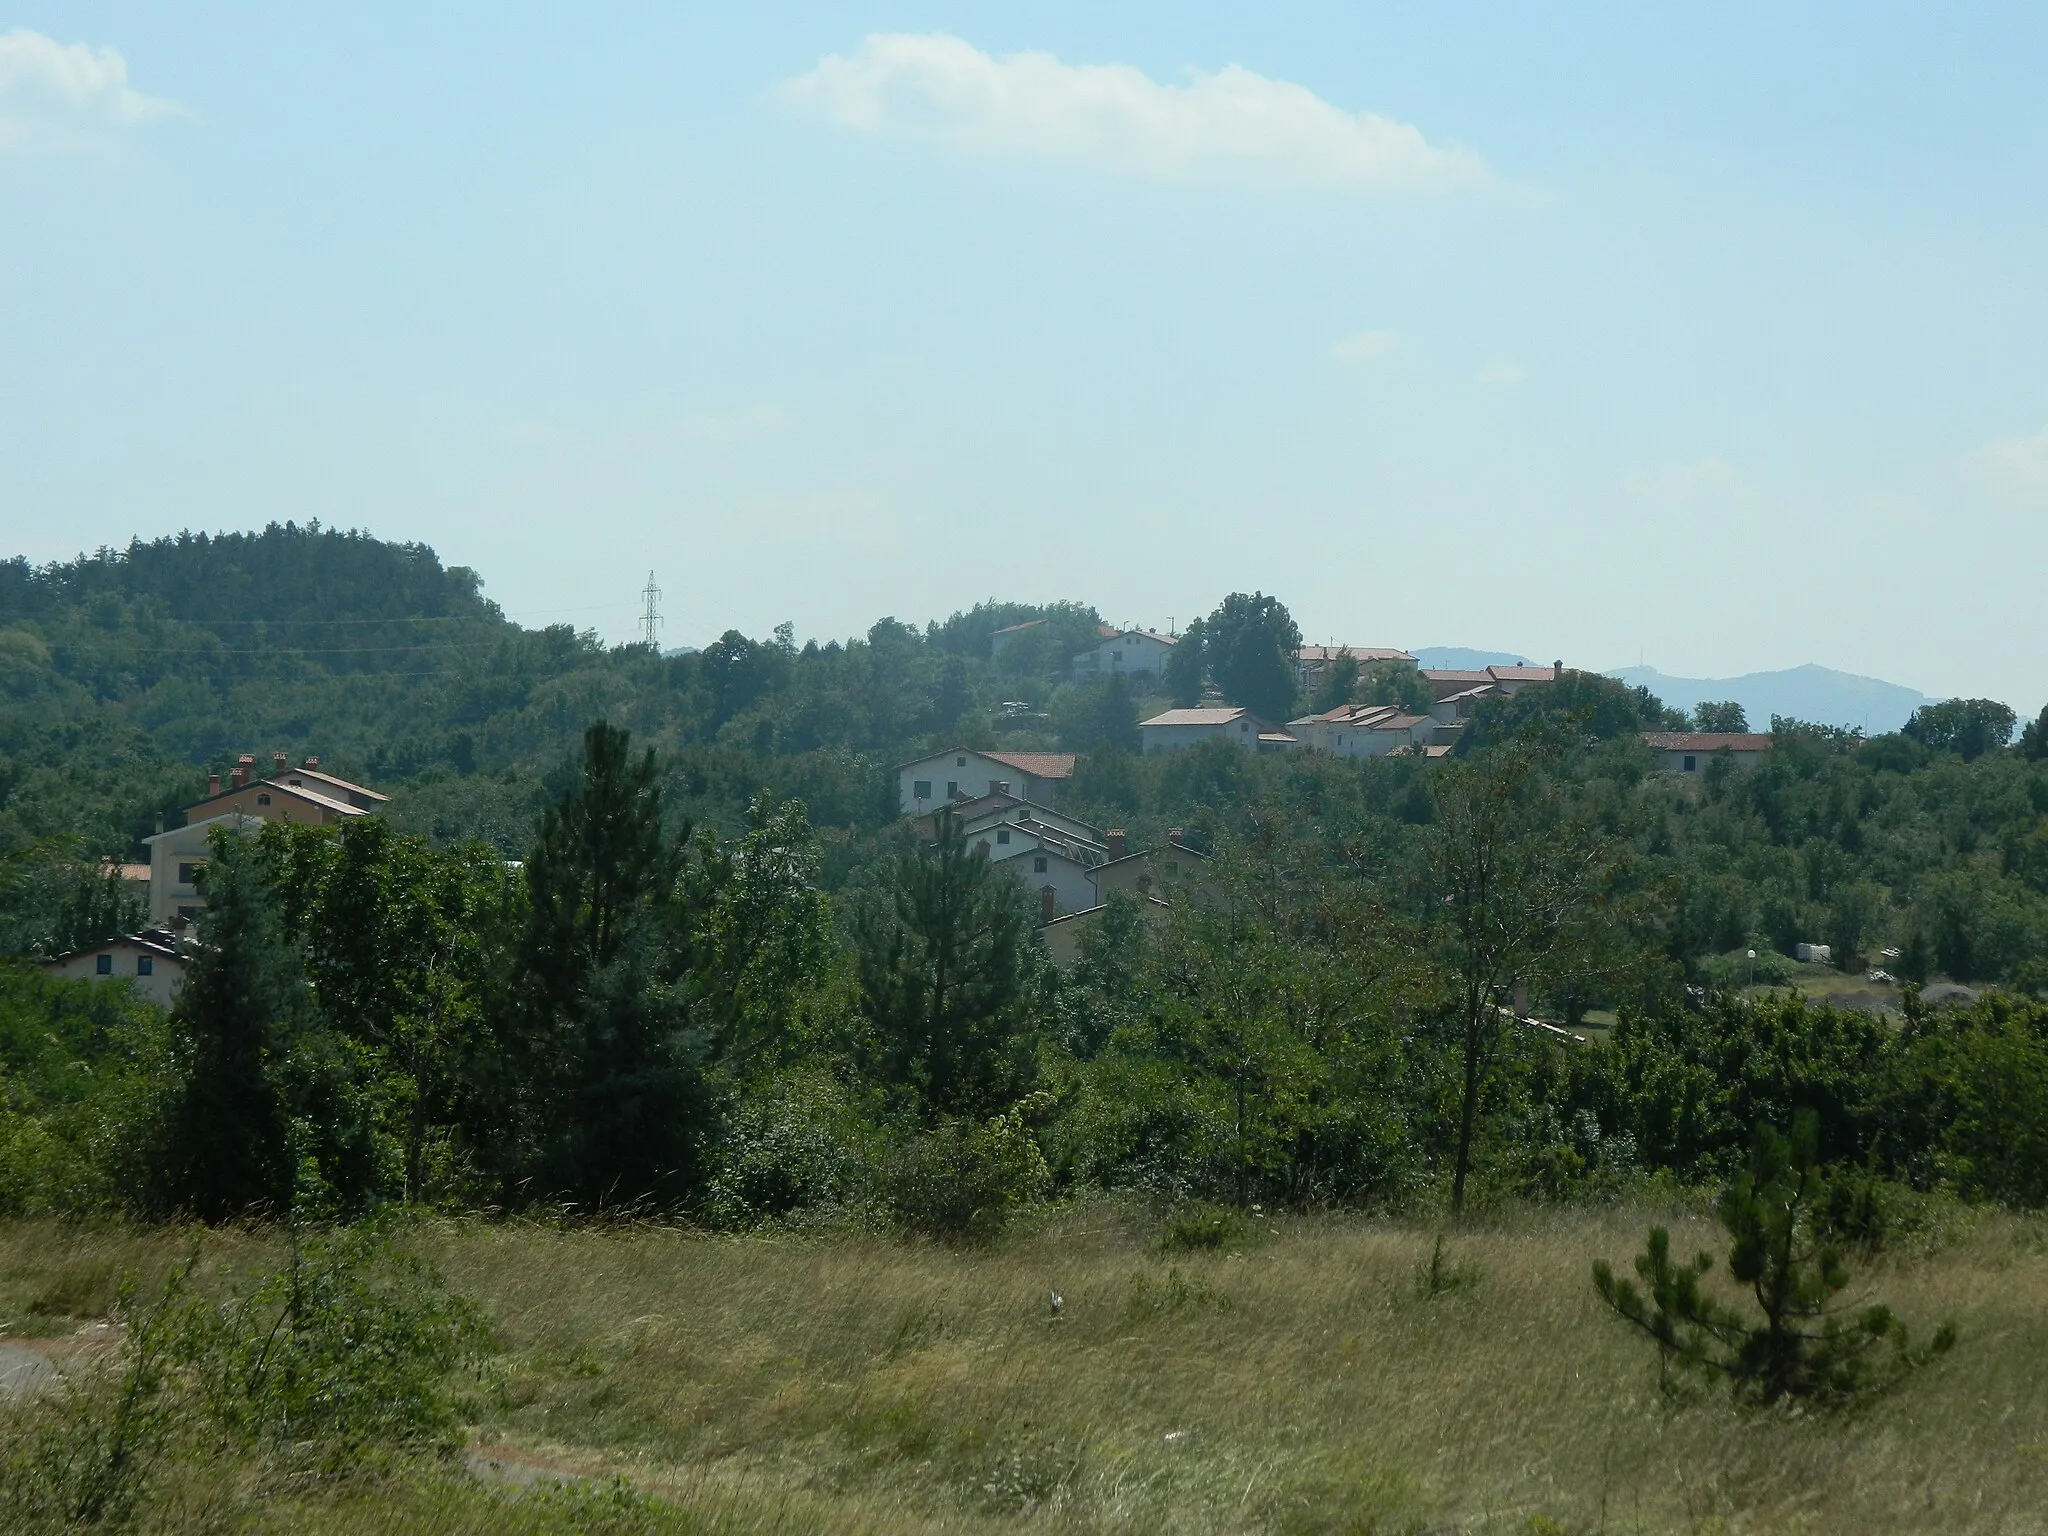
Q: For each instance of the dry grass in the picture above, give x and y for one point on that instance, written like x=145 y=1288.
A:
x=851 y=1384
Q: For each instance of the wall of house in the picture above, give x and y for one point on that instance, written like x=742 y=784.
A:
x=1674 y=762
x=1171 y=738
x=1073 y=890
x=977 y=776
x=1127 y=655
x=159 y=987
x=268 y=803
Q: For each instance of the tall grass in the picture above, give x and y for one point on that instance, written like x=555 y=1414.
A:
x=1308 y=1383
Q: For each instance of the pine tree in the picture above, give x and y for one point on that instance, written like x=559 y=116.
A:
x=1806 y=1346
x=941 y=963
x=227 y=1137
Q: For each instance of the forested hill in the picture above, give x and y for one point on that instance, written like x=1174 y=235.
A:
x=125 y=676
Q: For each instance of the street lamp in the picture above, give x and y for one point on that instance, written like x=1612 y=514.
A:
x=1752 y=967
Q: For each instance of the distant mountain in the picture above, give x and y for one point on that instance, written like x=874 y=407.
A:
x=1816 y=693
x=1462 y=658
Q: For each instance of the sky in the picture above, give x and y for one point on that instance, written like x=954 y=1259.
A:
x=1714 y=338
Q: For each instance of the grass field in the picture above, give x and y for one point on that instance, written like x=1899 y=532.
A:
x=1308 y=1384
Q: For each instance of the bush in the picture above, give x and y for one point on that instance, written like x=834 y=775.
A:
x=792 y=1146
x=964 y=1181
x=1732 y=970
x=1201 y=1227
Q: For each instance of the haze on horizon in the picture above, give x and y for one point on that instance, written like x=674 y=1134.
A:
x=1711 y=339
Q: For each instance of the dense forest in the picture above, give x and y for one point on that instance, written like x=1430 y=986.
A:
x=643 y=929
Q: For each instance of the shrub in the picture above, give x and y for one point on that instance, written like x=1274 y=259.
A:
x=1733 y=969
x=963 y=1181
x=1200 y=1226
x=793 y=1146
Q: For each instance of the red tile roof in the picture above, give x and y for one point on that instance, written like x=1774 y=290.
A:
x=1359 y=653
x=1040 y=765
x=1706 y=741
x=1222 y=714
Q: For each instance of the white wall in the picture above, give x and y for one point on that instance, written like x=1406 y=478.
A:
x=159 y=987
x=1126 y=655
x=975 y=776
x=1171 y=738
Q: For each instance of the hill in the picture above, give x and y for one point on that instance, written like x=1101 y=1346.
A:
x=1811 y=692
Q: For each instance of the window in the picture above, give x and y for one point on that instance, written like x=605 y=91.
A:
x=1172 y=867
x=188 y=913
x=952 y=788
x=1002 y=834
x=1692 y=764
x=263 y=799
x=922 y=789
x=1244 y=725
x=1117 y=657
x=1038 y=865
x=959 y=762
x=145 y=965
x=185 y=872
x=104 y=964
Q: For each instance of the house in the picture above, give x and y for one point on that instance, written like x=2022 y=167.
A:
x=150 y=961
x=1051 y=853
x=1446 y=681
x=302 y=796
x=1691 y=751
x=961 y=773
x=985 y=810
x=1311 y=660
x=1362 y=730
x=1177 y=728
x=1127 y=653
x=1154 y=878
x=175 y=859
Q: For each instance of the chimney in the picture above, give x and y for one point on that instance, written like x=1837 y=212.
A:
x=1557 y=671
x=313 y=762
x=1521 y=999
x=1116 y=842
x=282 y=763
x=1173 y=835
x=212 y=785
x=245 y=770
x=1048 y=904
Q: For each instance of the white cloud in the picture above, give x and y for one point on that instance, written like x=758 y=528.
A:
x=2020 y=462
x=59 y=96
x=1686 y=482
x=1364 y=347
x=1501 y=373
x=1232 y=124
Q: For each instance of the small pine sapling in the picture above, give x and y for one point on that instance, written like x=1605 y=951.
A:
x=1807 y=1346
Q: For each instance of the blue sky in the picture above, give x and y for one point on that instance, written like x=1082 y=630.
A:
x=1712 y=338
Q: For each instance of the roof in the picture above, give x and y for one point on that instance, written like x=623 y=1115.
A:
x=328 y=778
x=1311 y=654
x=1218 y=715
x=239 y=818
x=1145 y=634
x=297 y=791
x=150 y=943
x=1276 y=736
x=1706 y=741
x=1456 y=675
x=1011 y=629
x=1524 y=674
x=1040 y=765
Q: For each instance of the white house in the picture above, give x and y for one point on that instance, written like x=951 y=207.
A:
x=988 y=809
x=1177 y=728
x=1363 y=730
x=927 y=783
x=1311 y=660
x=175 y=859
x=1691 y=751
x=149 y=961
x=1044 y=863
x=1128 y=653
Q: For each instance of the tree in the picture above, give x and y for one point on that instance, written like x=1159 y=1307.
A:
x=1579 y=706
x=1097 y=715
x=1804 y=1347
x=227 y=1143
x=2034 y=739
x=764 y=930
x=405 y=944
x=621 y=1071
x=941 y=971
x=1521 y=890
x=1724 y=716
x=1396 y=682
x=1251 y=641
x=1967 y=727
x=1339 y=681
x=1188 y=665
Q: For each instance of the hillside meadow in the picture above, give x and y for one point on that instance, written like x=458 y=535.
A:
x=652 y=1378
